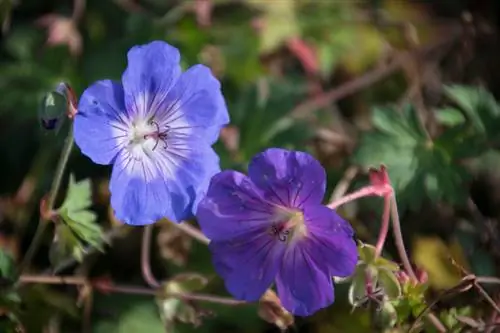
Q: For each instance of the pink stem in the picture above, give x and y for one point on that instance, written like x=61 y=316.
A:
x=364 y=192
x=384 y=228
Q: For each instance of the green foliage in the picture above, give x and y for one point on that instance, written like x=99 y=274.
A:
x=419 y=167
x=479 y=106
x=261 y=113
x=128 y=314
x=376 y=271
x=76 y=225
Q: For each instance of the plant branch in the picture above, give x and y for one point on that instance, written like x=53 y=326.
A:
x=304 y=109
x=54 y=190
x=80 y=281
x=147 y=274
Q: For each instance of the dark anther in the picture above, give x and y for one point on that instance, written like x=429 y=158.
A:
x=158 y=135
x=282 y=235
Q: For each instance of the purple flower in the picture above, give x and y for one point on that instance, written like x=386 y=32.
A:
x=271 y=227
x=156 y=127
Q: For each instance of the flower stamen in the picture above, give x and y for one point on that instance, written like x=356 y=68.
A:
x=158 y=135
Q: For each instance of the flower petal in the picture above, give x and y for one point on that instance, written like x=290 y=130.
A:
x=288 y=178
x=139 y=192
x=100 y=123
x=303 y=287
x=152 y=71
x=197 y=100
x=330 y=241
x=233 y=206
x=248 y=263
x=189 y=165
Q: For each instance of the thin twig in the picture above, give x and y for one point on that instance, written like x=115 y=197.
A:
x=304 y=109
x=343 y=184
x=147 y=274
x=54 y=190
x=192 y=231
x=80 y=281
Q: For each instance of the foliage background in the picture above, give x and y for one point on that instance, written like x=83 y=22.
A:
x=328 y=77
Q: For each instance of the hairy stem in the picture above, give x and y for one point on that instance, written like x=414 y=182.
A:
x=147 y=274
x=192 y=231
x=384 y=227
x=364 y=192
x=398 y=238
x=54 y=190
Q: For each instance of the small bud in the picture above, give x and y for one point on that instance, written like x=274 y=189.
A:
x=270 y=310
x=56 y=106
x=422 y=275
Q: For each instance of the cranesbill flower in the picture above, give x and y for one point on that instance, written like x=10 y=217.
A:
x=271 y=227
x=156 y=127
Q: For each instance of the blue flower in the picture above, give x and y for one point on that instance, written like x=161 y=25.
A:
x=271 y=227
x=156 y=127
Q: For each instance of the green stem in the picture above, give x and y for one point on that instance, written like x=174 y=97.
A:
x=54 y=190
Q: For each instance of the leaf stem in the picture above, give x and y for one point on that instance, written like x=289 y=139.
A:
x=54 y=190
x=398 y=238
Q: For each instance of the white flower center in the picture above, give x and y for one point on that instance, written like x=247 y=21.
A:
x=145 y=136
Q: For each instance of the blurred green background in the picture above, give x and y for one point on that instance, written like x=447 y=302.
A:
x=356 y=83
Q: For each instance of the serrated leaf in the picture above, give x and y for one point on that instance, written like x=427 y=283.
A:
x=72 y=237
x=419 y=168
x=388 y=281
x=76 y=226
x=479 y=106
x=78 y=197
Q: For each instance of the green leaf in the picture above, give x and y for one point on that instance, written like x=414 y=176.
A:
x=419 y=168
x=366 y=253
x=357 y=289
x=76 y=226
x=388 y=281
x=7 y=266
x=479 y=106
x=261 y=112
x=387 y=315
x=78 y=198
x=450 y=116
